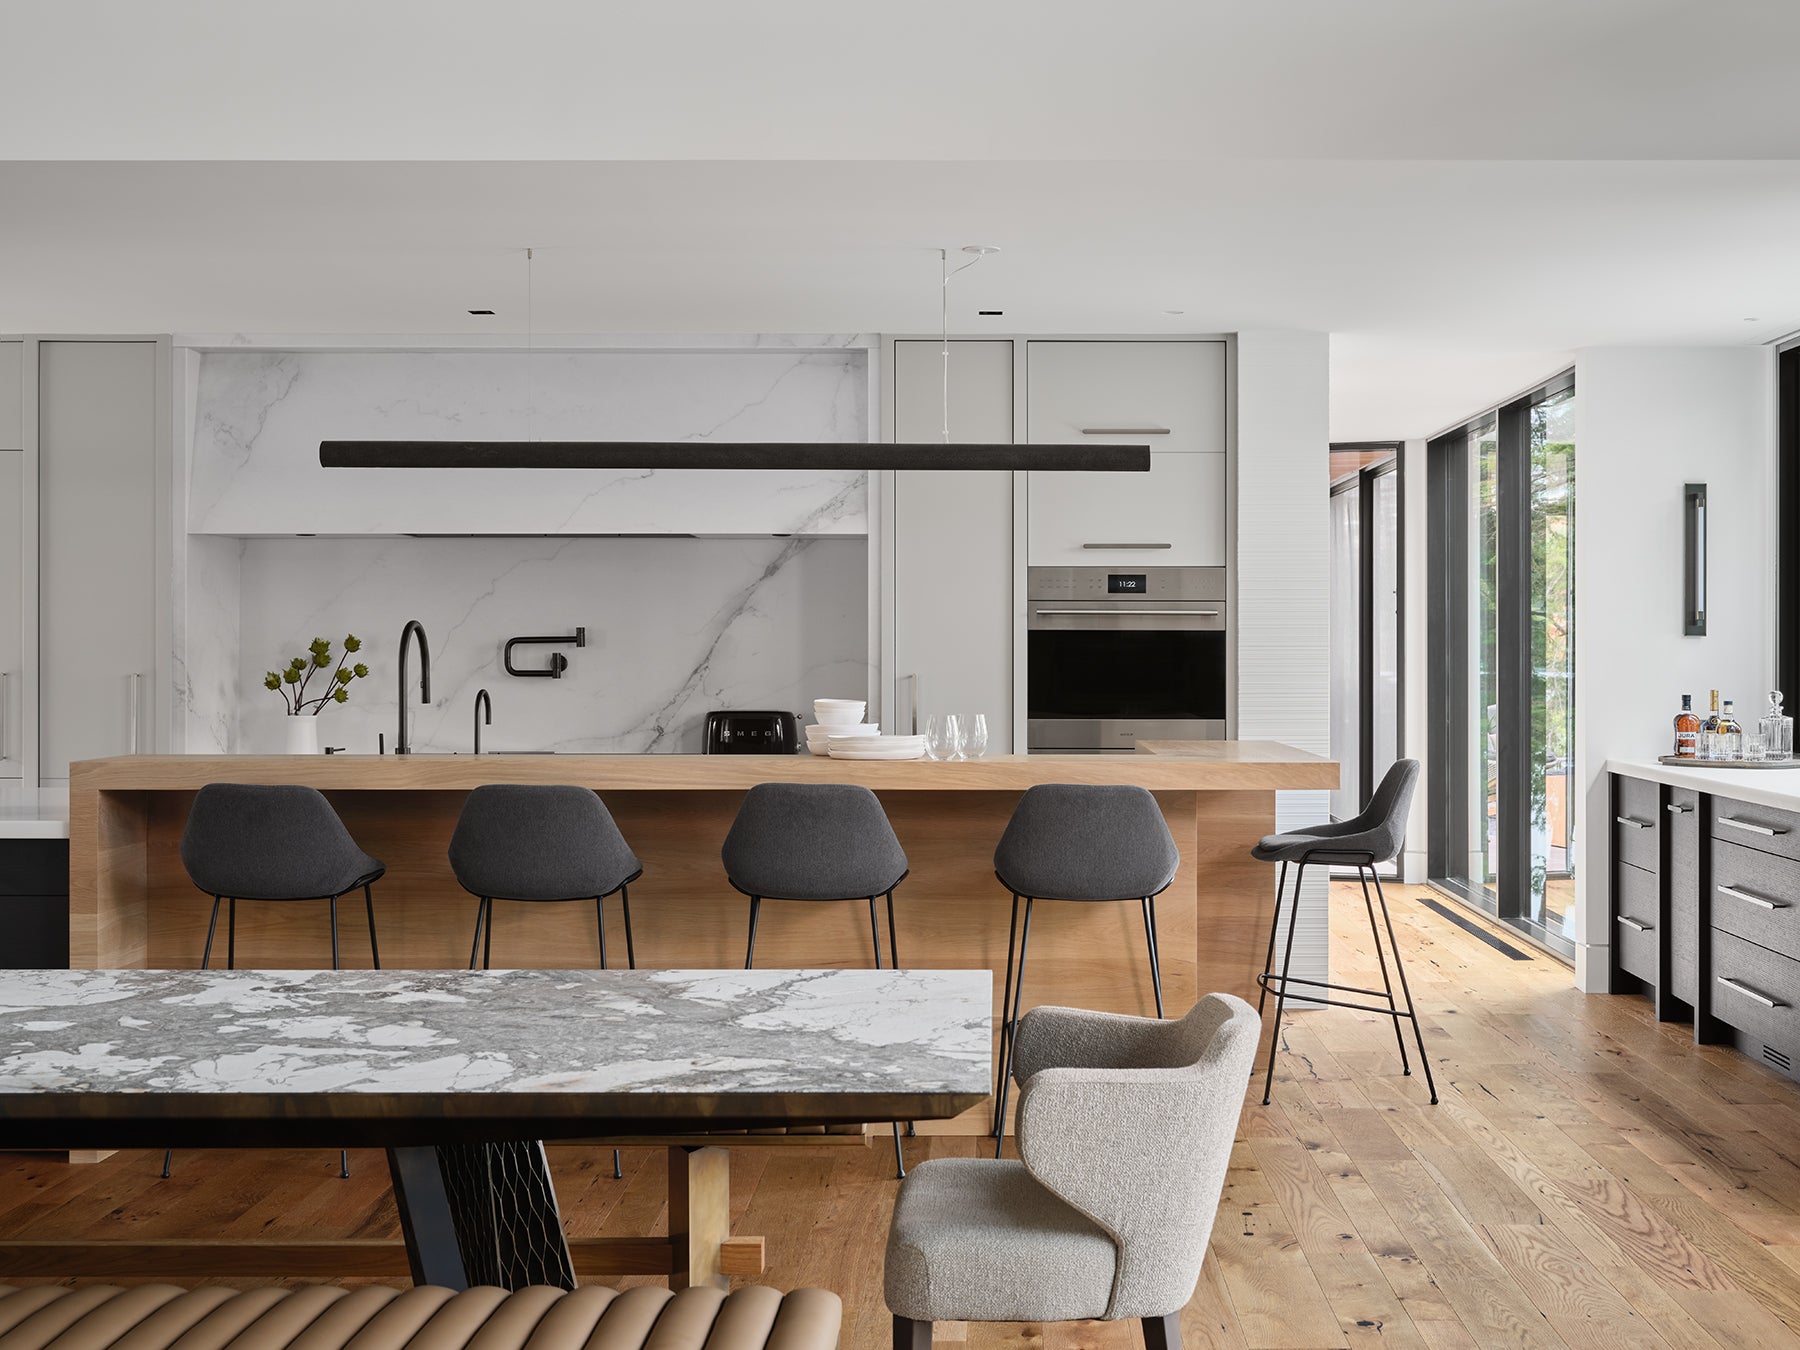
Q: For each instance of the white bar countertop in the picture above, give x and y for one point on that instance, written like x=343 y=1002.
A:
x=1779 y=788
x=33 y=812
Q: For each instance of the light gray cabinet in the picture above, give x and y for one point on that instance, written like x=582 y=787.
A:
x=12 y=421
x=97 y=412
x=1168 y=395
x=12 y=591
x=953 y=542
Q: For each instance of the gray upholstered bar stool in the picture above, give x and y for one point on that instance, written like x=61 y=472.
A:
x=1373 y=837
x=816 y=841
x=1082 y=842
x=248 y=841
x=545 y=844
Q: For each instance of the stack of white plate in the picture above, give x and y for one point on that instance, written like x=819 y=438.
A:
x=877 y=747
x=818 y=738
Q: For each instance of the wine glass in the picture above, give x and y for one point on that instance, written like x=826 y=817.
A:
x=941 y=736
x=975 y=736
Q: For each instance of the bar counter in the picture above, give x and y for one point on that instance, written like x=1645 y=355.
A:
x=132 y=905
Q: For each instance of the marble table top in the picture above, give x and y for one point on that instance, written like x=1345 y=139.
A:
x=375 y=1055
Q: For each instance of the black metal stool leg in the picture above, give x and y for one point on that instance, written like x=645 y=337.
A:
x=893 y=939
x=1012 y=1030
x=1287 y=962
x=374 y=948
x=212 y=926
x=334 y=940
x=1274 y=927
x=487 y=941
x=618 y=1171
x=168 y=1157
x=1155 y=959
x=1387 y=984
x=874 y=933
x=475 y=946
x=750 y=950
x=630 y=949
x=231 y=934
x=600 y=923
x=1012 y=942
x=1406 y=990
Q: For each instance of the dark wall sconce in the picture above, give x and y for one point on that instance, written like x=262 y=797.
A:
x=1693 y=560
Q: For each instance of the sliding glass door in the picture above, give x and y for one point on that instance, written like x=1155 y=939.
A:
x=1502 y=601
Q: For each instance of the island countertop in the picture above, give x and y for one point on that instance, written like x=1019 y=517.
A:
x=1175 y=766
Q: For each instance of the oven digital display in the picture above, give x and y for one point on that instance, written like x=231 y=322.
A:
x=1127 y=583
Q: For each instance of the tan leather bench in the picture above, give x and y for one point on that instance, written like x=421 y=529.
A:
x=327 y=1317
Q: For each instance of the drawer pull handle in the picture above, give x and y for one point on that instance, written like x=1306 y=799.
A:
x=1762 y=902
x=1737 y=824
x=1675 y=810
x=1124 y=431
x=1750 y=993
x=1633 y=821
x=1126 y=546
x=1634 y=925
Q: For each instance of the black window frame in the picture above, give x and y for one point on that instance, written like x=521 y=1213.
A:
x=1787 y=577
x=1447 y=778
x=1363 y=482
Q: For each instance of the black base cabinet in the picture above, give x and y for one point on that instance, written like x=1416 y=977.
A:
x=34 y=904
x=1705 y=909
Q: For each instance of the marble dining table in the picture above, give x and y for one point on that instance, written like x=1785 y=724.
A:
x=462 y=1076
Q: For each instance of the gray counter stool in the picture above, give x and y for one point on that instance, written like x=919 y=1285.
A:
x=1085 y=843
x=546 y=845
x=816 y=841
x=246 y=841
x=1373 y=837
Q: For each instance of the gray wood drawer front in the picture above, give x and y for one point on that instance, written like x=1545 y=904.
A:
x=1682 y=820
x=1756 y=896
x=1635 y=920
x=1755 y=990
x=1636 y=804
x=1761 y=827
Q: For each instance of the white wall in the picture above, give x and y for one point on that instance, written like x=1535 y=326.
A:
x=1284 y=576
x=1649 y=420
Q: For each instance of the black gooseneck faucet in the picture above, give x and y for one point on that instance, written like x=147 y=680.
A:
x=401 y=745
x=484 y=713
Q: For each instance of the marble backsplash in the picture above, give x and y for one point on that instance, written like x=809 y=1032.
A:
x=258 y=417
x=676 y=628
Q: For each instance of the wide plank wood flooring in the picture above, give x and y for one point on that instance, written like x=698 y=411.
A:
x=1591 y=1179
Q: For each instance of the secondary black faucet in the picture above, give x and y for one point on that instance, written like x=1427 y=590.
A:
x=401 y=745
x=484 y=713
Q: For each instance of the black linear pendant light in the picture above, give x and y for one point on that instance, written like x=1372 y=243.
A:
x=1095 y=457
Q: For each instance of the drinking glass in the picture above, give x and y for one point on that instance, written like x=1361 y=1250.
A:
x=975 y=736
x=941 y=736
x=1752 y=749
x=953 y=736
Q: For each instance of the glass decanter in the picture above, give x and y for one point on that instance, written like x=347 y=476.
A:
x=1777 y=730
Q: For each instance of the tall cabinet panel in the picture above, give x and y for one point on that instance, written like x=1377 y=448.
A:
x=97 y=550
x=953 y=541
x=12 y=584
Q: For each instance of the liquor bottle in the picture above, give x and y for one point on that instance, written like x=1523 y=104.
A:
x=1687 y=729
x=1777 y=730
x=1709 y=731
x=1731 y=734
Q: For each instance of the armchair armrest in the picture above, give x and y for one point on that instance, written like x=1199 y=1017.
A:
x=1074 y=1038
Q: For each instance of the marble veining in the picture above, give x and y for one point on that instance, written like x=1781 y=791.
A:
x=258 y=418
x=457 y=1032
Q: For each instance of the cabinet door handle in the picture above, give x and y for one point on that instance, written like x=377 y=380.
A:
x=1749 y=993
x=1154 y=613
x=1747 y=826
x=1634 y=924
x=1675 y=810
x=5 y=675
x=1632 y=821
x=1127 y=546
x=1124 y=431
x=137 y=688
x=1762 y=902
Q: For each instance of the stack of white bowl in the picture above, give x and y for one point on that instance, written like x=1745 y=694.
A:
x=843 y=734
x=838 y=717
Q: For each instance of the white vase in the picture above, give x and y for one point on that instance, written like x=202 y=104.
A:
x=302 y=735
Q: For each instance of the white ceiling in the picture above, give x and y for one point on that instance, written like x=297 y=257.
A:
x=1461 y=193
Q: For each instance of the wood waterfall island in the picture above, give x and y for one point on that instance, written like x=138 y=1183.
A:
x=132 y=905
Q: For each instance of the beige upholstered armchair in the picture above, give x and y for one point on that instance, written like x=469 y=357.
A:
x=1125 y=1129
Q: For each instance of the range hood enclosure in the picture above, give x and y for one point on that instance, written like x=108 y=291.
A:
x=1104 y=458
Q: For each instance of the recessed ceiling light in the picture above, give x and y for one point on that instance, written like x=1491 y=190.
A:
x=1174 y=311
x=1752 y=320
x=481 y=311
x=981 y=250
x=991 y=313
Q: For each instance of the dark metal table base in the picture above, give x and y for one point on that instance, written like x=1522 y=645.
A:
x=480 y=1214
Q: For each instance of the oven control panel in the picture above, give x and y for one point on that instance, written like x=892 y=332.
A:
x=1103 y=583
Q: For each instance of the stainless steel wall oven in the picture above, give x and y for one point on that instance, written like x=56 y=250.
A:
x=1114 y=657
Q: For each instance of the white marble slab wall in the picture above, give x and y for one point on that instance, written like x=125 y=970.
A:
x=260 y=415
x=676 y=627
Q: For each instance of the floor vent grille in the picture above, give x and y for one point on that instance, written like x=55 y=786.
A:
x=1777 y=1058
